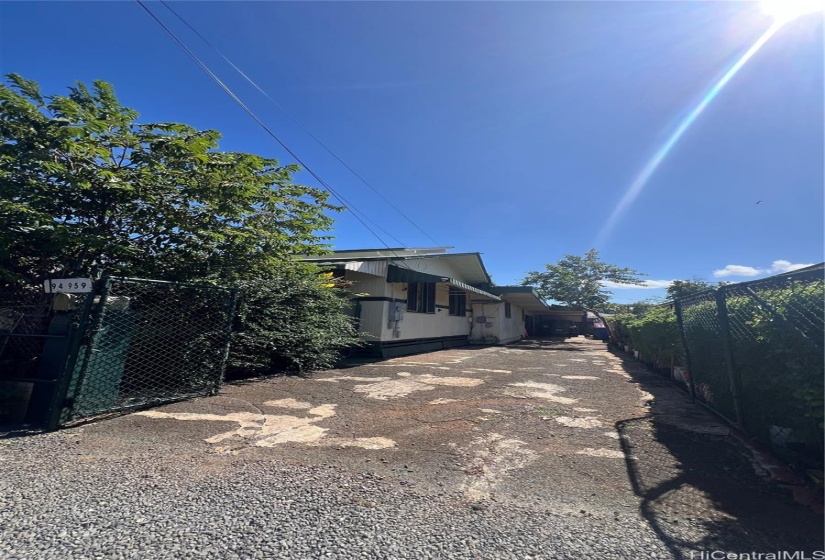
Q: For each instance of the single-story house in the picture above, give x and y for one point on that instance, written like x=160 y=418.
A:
x=418 y=300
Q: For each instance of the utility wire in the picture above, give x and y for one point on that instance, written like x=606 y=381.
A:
x=248 y=111
x=298 y=123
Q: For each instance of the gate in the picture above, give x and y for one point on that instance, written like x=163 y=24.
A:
x=129 y=344
x=36 y=334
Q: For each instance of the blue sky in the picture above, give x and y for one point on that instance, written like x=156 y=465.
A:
x=509 y=128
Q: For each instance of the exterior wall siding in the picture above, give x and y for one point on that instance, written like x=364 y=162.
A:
x=373 y=320
x=425 y=325
x=374 y=286
x=513 y=328
x=377 y=299
x=501 y=330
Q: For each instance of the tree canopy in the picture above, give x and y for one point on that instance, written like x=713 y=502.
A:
x=682 y=288
x=85 y=187
x=580 y=281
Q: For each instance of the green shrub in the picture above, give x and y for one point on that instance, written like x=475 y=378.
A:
x=781 y=362
x=295 y=322
x=655 y=334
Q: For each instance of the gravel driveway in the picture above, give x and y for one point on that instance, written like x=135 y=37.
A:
x=537 y=450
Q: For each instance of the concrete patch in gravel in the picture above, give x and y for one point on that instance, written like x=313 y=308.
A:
x=601 y=452
x=351 y=378
x=540 y=391
x=397 y=388
x=269 y=430
x=289 y=403
x=443 y=401
x=390 y=363
x=579 y=377
x=392 y=389
x=363 y=443
x=493 y=457
x=586 y=422
x=450 y=381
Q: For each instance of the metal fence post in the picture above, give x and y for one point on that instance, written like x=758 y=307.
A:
x=681 y=324
x=733 y=374
x=234 y=295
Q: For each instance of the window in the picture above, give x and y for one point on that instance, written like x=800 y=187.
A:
x=421 y=297
x=458 y=302
x=507 y=311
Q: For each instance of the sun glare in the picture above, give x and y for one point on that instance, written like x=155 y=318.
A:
x=786 y=10
x=782 y=12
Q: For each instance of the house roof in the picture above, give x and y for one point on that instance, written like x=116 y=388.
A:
x=468 y=266
x=389 y=252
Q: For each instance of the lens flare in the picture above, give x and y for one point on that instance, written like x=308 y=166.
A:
x=641 y=180
x=787 y=10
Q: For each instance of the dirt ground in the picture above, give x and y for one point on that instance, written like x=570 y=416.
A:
x=563 y=427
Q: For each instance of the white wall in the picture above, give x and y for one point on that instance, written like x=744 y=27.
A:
x=426 y=325
x=375 y=324
x=513 y=328
x=498 y=329
x=375 y=286
x=374 y=314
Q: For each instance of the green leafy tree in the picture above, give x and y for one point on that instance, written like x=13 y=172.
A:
x=636 y=308
x=85 y=187
x=580 y=281
x=683 y=288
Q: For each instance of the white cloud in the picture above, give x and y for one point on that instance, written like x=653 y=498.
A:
x=736 y=270
x=646 y=285
x=780 y=266
x=777 y=267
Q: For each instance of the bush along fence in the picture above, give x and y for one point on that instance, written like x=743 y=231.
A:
x=753 y=352
x=126 y=344
x=654 y=339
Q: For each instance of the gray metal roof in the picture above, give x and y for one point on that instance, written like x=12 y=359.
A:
x=468 y=266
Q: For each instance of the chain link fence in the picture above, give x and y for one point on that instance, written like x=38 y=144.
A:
x=756 y=355
x=149 y=342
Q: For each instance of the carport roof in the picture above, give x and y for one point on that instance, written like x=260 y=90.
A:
x=525 y=297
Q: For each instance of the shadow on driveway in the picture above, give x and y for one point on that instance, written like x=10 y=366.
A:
x=680 y=460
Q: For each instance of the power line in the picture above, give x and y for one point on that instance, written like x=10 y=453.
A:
x=298 y=123
x=248 y=111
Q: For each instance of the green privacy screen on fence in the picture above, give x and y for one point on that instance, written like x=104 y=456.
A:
x=148 y=342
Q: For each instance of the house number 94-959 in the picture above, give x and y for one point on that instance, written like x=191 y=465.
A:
x=68 y=285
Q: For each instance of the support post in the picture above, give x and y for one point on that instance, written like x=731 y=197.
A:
x=680 y=322
x=733 y=374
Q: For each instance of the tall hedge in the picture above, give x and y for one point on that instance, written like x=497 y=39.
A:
x=295 y=322
x=655 y=334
